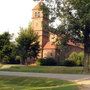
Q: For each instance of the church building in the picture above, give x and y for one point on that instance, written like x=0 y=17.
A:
x=40 y=24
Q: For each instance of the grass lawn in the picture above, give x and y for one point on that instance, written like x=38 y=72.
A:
x=45 y=69
x=24 y=83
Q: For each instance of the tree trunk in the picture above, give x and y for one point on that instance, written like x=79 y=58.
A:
x=42 y=51
x=86 y=62
x=86 y=51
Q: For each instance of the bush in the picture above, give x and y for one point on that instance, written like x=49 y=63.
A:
x=77 y=58
x=69 y=63
x=47 y=62
x=18 y=58
x=6 y=59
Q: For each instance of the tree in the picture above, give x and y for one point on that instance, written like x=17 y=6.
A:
x=74 y=17
x=82 y=8
x=4 y=41
x=27 y=44
x=6 y=48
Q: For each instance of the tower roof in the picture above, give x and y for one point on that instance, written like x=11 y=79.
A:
x=38 y=6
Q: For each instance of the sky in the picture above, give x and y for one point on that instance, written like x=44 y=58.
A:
x=15 y=14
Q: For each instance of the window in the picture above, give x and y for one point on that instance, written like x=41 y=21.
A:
x=51 y=54
x=37 y=14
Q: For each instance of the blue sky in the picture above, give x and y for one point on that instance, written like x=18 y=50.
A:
x=15 y=14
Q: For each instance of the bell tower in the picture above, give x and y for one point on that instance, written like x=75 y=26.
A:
x=40 y=24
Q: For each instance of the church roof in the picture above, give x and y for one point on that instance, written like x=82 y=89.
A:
x=79 y=45
x=49 y=45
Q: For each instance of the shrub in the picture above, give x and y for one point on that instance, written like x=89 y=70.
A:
x=47 y=62
x=6 y=59
x=18 y=58
x=69 y=63
x=77 y=58
x=80 y=58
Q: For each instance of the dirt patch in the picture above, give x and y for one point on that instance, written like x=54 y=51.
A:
x=5 y=66
x=84 y=84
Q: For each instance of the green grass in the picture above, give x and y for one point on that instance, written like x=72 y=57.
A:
x=46 y=69
x=25 y=83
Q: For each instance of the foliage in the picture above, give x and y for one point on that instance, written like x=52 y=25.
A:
x=4 y=39
x=45 y=10
x=69 y=63
x=7 y=48
x=27 y=44
x=18 y=58
x=6 y=59
x=64 y=11
x=77 y=58
x=74 y=17
x=47 y=62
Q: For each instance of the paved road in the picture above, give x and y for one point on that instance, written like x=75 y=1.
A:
x=83 y=80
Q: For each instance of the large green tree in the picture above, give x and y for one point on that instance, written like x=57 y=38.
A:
x=82 y=8
x=6 y=48
x=74 y=25
x=27 y=44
